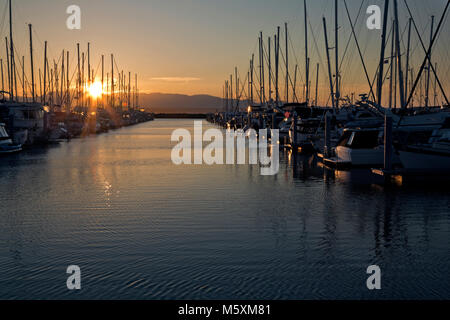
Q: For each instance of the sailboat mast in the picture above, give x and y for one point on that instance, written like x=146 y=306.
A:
x=435 y=91
x=294 y=93
x=391 y=77
x=40 y=83
x=89 y=71
x=327 y=48
x=68 y=84
x=317 y=84
x=251 y=78
x=89 y=62
x=9 y=67
x=45 y=73
x=11 y=42
x=79 y=74
x=112 y=80
x=238 y=94
x=260 y=72
x=231 y=92
x=83 y=81
x=226 y=96
x=263 y=87
x=270 y=70
x=399 y=56
x=32 y=63
x=287 y=62
x=103 y=78
x=306 y=54
x=3 y=80
x=129 y=90
x=136 y=93
x=24 y=95
x=408 y=48
x=277 y=60
x=427 y=98
x=336 y=52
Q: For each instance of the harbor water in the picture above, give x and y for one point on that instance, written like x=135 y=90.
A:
x=140 y=227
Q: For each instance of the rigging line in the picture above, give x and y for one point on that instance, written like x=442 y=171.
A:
x=350 y=37
x=254 y=53
x=441 y=31
x=20 y=65
x=74 y=74
x=295 y=56
x=427 y=53
x=318 y=53
x=241 y=92
x=258 y=82
x=416 y=46
x=65 y=89
x=4 y=17
x=347 y=47
x=266 y=56
x=284 y=60
x=359 y=49
x=289 y=78
x=96 y=70
x=402 y=36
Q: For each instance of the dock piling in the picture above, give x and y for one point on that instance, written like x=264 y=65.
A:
x=327 y=147
x=294 y=132
x=387 y=143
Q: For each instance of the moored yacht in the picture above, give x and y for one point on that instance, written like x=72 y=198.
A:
x=305 y=130
x=6 y=144
x=364 y=146
x=431 y=156
x=360 y=147
x=26 y=121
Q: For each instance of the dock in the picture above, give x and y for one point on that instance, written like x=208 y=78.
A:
x=400 y=176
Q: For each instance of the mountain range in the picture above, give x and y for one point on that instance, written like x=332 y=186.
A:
x=179 y=103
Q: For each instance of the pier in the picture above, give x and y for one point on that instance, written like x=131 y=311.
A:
x=362 y=131
x=67 y=101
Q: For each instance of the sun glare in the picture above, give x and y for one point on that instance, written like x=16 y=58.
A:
x=95 y=89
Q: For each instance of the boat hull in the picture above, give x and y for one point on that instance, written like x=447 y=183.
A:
x=361 y=157
x=9 y=148
x=427 y=161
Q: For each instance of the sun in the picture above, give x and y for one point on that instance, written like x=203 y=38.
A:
x=95 y=89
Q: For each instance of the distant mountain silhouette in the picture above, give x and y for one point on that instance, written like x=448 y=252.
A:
x=179 y=103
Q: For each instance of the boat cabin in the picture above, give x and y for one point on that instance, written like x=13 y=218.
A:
x=361 y=138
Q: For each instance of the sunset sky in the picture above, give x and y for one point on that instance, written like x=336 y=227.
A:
x=191 y=47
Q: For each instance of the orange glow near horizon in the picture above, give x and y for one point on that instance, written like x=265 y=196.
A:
x=95 y=89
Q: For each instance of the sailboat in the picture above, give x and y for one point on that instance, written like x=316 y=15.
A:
x=6 y=144
x=25 y=121
x=363 y=145
x=429 y=157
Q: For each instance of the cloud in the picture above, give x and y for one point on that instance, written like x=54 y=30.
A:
x=176 y=79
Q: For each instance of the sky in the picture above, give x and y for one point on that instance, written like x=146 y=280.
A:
x=192 y=46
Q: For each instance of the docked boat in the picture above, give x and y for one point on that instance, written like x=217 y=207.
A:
x=305 y=130
x=6 y=144
x=360 y=147
x=26 y=122
x=364 y=146
x=431 y=156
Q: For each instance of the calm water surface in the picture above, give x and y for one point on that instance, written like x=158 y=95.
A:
x=142 y=228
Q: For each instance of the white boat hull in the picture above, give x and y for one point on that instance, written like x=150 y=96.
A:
x=361 y=157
